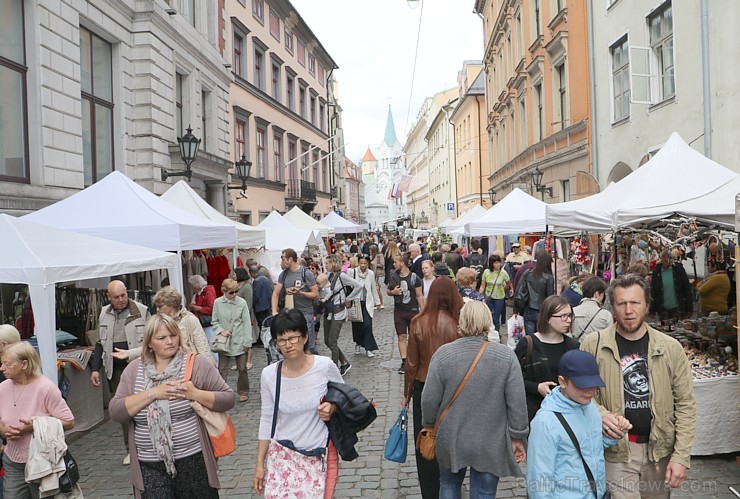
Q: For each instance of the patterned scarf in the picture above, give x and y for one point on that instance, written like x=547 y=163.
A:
x=158 y=411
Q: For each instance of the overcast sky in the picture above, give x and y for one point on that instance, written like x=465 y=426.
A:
x=373 y=43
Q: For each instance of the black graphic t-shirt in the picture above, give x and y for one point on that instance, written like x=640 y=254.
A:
x=407 y=299
x=633 y=357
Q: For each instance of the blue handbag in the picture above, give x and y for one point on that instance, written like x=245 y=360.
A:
x=398 y=438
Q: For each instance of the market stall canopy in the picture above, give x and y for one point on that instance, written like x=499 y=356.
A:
x=185 y=198
x=119 y=209
x=447 y=221
x=303 y=220
x=41 y=256
x=281 y=234
x=517 y=213
x=470 y=215
x=676 y=174
x=340 y=224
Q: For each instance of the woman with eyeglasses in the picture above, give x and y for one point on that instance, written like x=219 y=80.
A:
x=231 y=318
x=300 y=422
x=539 y=354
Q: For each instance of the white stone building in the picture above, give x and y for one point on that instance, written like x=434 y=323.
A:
x=88 y=87
x=650 y=81
x=440 y=138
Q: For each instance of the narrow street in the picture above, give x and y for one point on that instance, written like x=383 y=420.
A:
x=99 y=452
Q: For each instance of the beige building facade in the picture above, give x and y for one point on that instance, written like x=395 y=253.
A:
x=278 y=109
x=537 y=96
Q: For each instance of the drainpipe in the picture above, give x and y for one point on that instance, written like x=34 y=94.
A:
x=592 y=85
x=706 y=93
x=480 y=153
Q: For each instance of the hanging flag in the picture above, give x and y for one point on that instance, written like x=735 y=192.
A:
x=396 y=191
x=405 y=183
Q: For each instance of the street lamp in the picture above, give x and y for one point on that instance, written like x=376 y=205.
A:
x=243 y=168
x=189 y=145
x=423 y=215
x=537 y=182
x=492 y=195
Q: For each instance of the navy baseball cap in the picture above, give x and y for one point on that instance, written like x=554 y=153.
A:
x=581 y=368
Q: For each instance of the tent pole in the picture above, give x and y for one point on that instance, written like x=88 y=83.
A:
x=235 y=254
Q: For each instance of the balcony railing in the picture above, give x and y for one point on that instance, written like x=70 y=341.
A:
x=300 y=189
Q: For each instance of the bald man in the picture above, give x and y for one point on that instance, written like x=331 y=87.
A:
x=121 y=327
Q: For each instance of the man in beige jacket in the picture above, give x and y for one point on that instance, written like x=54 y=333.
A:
x=648 y=381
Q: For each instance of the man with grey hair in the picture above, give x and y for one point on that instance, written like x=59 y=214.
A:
x=121 y=327
x=416 y=258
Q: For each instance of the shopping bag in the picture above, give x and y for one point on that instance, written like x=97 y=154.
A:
x=354 y=312
x=397 y=443
x=515 y=330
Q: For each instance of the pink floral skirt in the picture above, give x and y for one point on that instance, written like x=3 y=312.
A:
x=291 y=475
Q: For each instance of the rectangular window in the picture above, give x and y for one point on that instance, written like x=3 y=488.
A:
x=321 y=77
x=565 y=184
x=277 y=151
x=315 y=161
x=204 y=94
x=288 y=40
x=561 y=97
x=620 y=79
x=302 y=101
x=276 y=82
x=301 y=53
x=259 y=76
x=192 y=5
x=260 y=146
x=178 y=105
x=313 y=110
x=312 y=64
x=241 y=138
x=14 y=163
x=538 y=111
x=97 y=106
x=289 y=85
x=292 y=153
x=661 y=43
x=322 y=120
x=258 y=10
x=238 y=55
x=522 y=125
x=304 y=162
x=274 y=25
x=537 y=23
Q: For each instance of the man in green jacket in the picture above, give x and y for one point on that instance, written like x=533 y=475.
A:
x=648 y=381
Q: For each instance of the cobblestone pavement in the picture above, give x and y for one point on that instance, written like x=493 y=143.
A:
x=99 y=452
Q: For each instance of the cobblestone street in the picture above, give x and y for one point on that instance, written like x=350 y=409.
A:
x=100 y=451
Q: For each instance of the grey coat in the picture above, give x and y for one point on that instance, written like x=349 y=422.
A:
x=489 y=412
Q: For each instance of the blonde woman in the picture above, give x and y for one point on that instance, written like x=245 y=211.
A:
x=8 y=336
x=231 y=318
x=390 y=253
x=490 y=446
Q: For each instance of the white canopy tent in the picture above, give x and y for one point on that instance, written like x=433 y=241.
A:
x=185 y=198
x=41 y=256
x=517 y=213
x=119 y=209
x=676 y=174
x=281 y=234
x=340 y=224
x=447 y=221
x=473 y=213
x=303 y=220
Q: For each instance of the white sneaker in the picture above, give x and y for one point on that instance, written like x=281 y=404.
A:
x=233 y=368
x=358 y=349
x=370 y=354
x=127 y=460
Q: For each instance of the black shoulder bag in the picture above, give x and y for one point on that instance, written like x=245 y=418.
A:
x=589 y=475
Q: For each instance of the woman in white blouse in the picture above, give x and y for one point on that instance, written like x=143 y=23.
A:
x=362 y=332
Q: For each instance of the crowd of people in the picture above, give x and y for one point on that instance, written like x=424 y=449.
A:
x=591 y=397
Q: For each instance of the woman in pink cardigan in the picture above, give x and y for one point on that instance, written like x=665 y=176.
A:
x=171 y=454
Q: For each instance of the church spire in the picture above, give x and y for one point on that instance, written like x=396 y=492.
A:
x=390 y=129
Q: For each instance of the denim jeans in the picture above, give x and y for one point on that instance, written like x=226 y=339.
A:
x=482 y=485
x=311 y=333
x=530 y=320
x=498 y=309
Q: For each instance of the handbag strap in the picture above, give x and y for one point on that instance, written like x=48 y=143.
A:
x=569 y=431
x=462 y=384
x=277 y=398
x=592 y=319
x=189 y=363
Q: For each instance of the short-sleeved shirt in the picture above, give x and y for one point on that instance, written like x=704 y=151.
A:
x=406 y=300
x=633 y=357
x=302 y=279
x=495 y=283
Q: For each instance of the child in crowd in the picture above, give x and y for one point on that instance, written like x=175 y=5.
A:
x=557 y=465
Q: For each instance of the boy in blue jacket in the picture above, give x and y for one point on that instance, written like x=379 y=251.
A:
x=554 y=466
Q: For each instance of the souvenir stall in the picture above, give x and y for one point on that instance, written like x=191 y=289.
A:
x=41 y=257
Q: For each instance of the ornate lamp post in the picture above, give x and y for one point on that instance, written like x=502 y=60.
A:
x=492 y=195
x=243 y=168
x=537 y=182
x=189 y=145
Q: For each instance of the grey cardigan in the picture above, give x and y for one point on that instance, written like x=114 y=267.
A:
x=490 y=410
x=205 y=377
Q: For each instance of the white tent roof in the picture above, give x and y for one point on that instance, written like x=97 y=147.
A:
x=340 y=224
x=447 y=221
x=119 y=209
x=40 y=256
x=281 y=234
x=185 y=198
x=517 y=213
x=677 y=173
x=466 y=217
x=302 y=220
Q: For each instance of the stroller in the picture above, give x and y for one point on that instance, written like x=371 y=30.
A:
x=271 y=349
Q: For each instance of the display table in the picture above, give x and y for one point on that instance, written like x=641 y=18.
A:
x=717 y=416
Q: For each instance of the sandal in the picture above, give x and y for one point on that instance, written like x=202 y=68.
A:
x=249 y=366
x=243 y=398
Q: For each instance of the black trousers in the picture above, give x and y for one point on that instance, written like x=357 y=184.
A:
x=428 y=471
x=362 y=332
x=191 y=480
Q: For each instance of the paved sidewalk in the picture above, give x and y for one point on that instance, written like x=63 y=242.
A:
x=100 y=451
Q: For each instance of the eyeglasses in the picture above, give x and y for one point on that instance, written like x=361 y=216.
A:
x=290 y=339
x=565 y=317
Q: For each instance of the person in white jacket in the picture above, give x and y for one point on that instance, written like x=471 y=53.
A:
x=590 y=315
x=362 y=332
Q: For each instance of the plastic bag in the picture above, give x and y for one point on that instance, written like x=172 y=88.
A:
x=515 y=330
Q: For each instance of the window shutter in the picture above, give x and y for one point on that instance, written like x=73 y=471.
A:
x=641 y=75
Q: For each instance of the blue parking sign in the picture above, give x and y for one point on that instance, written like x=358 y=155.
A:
x=450 y=206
